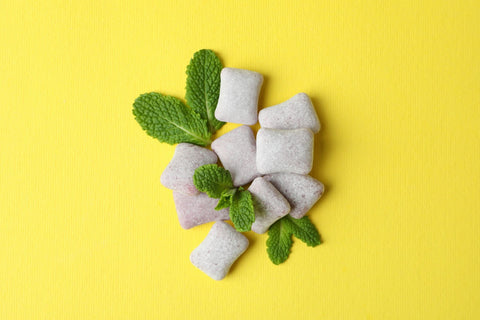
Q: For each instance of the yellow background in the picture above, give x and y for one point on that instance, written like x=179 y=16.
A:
x=88 y=232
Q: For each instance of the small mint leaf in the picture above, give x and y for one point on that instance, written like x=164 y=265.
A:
x=304 y=230
x=203 y=86
x=241 y=211
x=169 y=120
x=212 y=180
x=226 y=199
x=223 y=203
x=279 y=242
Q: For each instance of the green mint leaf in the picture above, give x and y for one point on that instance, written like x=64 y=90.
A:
x=279 y=241
x=304 y=230
x=223 y=203
x=241 y=211
x=169 y=120
x=203 y=86
x=226 y=199
x=212 y=180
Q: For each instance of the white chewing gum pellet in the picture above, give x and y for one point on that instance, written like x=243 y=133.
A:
x=301 y=191
x=238 y=99
x=216 y=254
x=197 y=209
x=236 y=150
x=297 y=112
x=270 y=205
x=178 y=175
x=284 y=150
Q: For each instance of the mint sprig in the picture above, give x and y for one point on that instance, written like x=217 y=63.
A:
x=280 y=241
x=217 y=183
x=169 y=120
x=203 y=86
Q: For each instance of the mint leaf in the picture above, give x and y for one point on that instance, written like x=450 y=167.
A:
x=304 y=230
x=226 y=199
x=212 y=180
x=241 y=211
x=169 y=120
x=203 y=86
x=279 y=241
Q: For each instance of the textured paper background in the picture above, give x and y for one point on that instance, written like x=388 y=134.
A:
x=88 y=232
